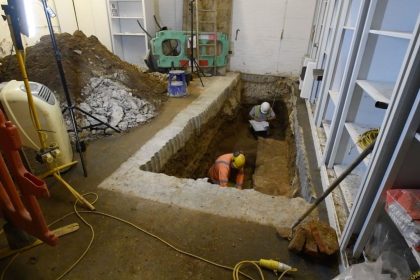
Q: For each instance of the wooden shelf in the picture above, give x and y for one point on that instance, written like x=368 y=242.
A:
x=395 y=34
x=334 y=96
x=379 y=91
x=349 y=186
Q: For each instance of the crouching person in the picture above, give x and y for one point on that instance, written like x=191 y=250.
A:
x=228 y=166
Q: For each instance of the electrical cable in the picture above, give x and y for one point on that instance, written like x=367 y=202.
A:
x=157 y=23
x=144 y=30
x=236 y=269
x=77 y=213
x=8 y=265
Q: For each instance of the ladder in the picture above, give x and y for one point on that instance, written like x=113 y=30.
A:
x=206 y=18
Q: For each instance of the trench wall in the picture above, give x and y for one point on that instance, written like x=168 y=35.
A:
x=167 y=142
x=199 y=195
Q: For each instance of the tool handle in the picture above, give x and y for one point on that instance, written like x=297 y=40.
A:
x=336 y=182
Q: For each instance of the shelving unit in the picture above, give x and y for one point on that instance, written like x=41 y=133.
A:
x=129 y=42
x=388 y=46
x=368 y=83
x=348 y=185
x=403 y=167
x=329 y=101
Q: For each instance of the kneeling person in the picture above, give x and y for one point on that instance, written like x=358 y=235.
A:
x=227 y=166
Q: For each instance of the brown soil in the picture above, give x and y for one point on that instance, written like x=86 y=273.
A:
x=82 y=58
x=225 y=134
x=272 y=172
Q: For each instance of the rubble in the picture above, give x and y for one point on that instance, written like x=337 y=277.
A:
x=112 y=103
x=99 y=82
x=313 y=238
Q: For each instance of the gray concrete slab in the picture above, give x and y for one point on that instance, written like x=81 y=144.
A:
x=247 y=205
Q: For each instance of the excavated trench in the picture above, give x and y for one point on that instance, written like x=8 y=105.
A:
x=270 y=161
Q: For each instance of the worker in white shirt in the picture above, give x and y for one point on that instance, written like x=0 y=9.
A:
x=262 y=112
x=260 y=116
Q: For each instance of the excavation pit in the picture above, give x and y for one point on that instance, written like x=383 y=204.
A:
x=269 y=160
x=218 y=104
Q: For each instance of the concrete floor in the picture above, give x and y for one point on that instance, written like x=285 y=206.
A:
x=121 y=252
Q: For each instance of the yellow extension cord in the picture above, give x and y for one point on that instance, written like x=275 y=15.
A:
x=271 y=264
x=367 y=138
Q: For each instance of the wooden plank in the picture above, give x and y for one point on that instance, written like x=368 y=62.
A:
x=6 y=252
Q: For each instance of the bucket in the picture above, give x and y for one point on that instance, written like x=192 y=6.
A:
x=177 y=84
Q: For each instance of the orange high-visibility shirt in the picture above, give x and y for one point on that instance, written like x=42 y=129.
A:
x=220 y=170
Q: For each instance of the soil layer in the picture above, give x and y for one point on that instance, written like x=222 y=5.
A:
x=83 y=58
x=227 y=133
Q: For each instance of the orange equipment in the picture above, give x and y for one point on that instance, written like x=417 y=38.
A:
x=220 y=171
x=21 y=211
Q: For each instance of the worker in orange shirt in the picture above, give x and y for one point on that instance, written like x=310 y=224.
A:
x=226 y=166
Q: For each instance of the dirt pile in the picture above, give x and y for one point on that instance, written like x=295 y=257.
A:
x=83 y=58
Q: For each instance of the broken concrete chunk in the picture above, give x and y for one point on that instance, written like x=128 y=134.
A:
x=123 y=125
x=85 y=107
x=284 y=232
x=325 y=237
x=310 y=248
x=79 y=52
x=298 y=240
x=117 y=114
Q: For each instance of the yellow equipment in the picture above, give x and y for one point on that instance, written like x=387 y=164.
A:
x=238 y=160
x=15 y=103
x=367 y=137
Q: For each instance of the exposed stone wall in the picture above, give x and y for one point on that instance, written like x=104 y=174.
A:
x=167 y=142
x=224 y=15
x=257 y=88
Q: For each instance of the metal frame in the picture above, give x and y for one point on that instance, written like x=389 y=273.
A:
x=343 y=90
x=376 y=180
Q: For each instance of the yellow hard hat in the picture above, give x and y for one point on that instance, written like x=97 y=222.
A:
x=238 y=160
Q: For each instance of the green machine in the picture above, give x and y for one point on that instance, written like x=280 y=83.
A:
x=170 y=49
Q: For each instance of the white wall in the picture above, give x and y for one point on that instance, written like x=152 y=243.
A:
x=260 y=47
x=91 y=15
x=169 y=13
x=41 y=27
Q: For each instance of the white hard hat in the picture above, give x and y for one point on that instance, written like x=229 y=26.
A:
x=265 y=107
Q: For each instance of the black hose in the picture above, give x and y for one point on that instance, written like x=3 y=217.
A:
x=157 y=23
x=144 y=30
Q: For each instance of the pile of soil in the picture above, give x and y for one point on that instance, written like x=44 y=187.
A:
x=83 y=58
